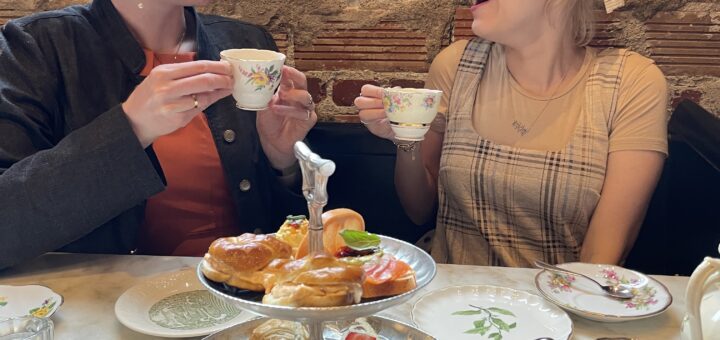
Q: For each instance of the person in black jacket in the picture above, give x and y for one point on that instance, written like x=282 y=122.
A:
x=109 y=141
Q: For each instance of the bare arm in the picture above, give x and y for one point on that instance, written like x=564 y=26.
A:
x=416 y=179
x=629 y=184
x=416 y=172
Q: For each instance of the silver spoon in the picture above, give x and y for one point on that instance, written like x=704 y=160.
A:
x=619 y=291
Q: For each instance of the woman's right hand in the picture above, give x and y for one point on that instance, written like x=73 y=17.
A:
x=173 y=94
x=372 y=112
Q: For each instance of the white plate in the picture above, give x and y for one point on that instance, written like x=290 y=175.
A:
x=175 y=305
x=462 y=312
x=39 y=301
x=580 y=296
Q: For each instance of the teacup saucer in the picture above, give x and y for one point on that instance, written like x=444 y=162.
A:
x=35 y=300
x=175 y=305
x=581 y=297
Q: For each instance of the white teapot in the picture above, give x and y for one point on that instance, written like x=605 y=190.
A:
x=702 y=299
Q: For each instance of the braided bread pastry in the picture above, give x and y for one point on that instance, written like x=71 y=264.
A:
x=239 y=261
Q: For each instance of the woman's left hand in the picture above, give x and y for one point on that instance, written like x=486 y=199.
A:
x=288 y=118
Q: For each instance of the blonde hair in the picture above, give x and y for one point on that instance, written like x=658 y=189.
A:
x=579 y=18
x=581 y=21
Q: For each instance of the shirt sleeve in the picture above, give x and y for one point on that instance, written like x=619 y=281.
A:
x=640 y=122
x=442 y=72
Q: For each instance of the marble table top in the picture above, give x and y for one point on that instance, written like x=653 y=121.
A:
x=91 y=284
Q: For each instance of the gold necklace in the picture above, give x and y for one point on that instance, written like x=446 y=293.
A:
x=521 y=128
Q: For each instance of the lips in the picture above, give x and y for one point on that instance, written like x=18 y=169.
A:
x=478 y=3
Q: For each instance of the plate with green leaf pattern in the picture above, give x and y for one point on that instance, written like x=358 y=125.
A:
x=175 y=305
x=489 y=312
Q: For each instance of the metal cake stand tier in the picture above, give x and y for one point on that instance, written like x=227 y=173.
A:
x=387 y=329
x=419 y=260
x=316 y=172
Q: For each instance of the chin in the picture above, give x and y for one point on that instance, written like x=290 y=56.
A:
x=485 y=18
x=485 y=28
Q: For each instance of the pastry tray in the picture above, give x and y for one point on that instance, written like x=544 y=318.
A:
x=386 y=329
x=418 y=259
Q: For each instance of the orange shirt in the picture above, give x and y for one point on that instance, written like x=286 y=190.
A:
x=196 y=207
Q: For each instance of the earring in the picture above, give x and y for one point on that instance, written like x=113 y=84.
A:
x=140 y=5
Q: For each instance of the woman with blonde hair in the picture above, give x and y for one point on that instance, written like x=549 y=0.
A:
x=545 y=149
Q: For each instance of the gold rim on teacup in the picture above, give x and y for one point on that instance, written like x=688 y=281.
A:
x=271 y=55
x=414 y=125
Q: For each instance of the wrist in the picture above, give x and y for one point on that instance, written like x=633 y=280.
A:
x=406 y=146
x=144 y=139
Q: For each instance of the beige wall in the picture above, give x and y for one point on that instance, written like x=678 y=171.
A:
x=342 y=44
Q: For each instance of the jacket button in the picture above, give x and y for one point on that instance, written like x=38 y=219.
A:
x=244 y=185
x=134 y=251
x=229 y=136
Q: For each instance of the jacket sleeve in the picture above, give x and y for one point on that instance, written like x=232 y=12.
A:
x=57 y=187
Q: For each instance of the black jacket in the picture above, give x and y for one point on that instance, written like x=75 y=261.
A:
x=72 y=173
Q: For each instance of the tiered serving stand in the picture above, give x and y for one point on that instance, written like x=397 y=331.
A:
x=315 y=172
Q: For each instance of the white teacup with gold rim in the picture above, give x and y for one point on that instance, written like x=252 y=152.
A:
x=410 y=111
x=257 y=75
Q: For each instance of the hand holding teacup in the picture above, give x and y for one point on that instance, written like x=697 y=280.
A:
x=397 y=113
x=256 y=75
x=288 y=118
x=284 y=117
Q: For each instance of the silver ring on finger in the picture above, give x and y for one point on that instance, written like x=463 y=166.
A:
x=310 y=101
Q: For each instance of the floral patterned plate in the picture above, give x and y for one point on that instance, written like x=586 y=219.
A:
x=580 y=296
x=489 y=312
x=175 y=305
x=38 y=301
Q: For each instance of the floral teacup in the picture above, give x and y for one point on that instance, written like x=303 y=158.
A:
x=410 y=111
x=257 y=75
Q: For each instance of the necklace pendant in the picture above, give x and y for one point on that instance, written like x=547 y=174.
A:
x=140 y=5
x=520 y=128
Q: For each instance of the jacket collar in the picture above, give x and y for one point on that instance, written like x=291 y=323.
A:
x=112 y=28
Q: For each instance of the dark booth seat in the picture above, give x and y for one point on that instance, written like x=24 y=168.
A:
x=363 y=179
x=682 y=225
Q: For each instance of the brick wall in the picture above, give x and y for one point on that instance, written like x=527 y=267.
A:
x=342 y=44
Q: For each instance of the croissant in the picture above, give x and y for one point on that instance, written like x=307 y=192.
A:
x=238 y=261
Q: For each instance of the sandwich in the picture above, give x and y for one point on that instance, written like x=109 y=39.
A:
x=344 y=237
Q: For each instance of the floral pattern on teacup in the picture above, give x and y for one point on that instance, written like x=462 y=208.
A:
x=429 y=102
x=3 y=301
x=561 y=283
x=44 y=309
x=260 y=77
x=396 y=102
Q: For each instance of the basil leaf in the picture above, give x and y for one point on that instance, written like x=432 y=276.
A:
x=360 y=240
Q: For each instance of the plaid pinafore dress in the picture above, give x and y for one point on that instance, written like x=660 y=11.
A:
x=507 y=206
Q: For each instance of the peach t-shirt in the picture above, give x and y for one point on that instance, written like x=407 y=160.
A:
x=640 y=122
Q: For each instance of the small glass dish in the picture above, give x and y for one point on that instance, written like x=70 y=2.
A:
x=26 y=328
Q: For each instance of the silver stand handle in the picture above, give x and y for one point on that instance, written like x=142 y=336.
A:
x=315 y=172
